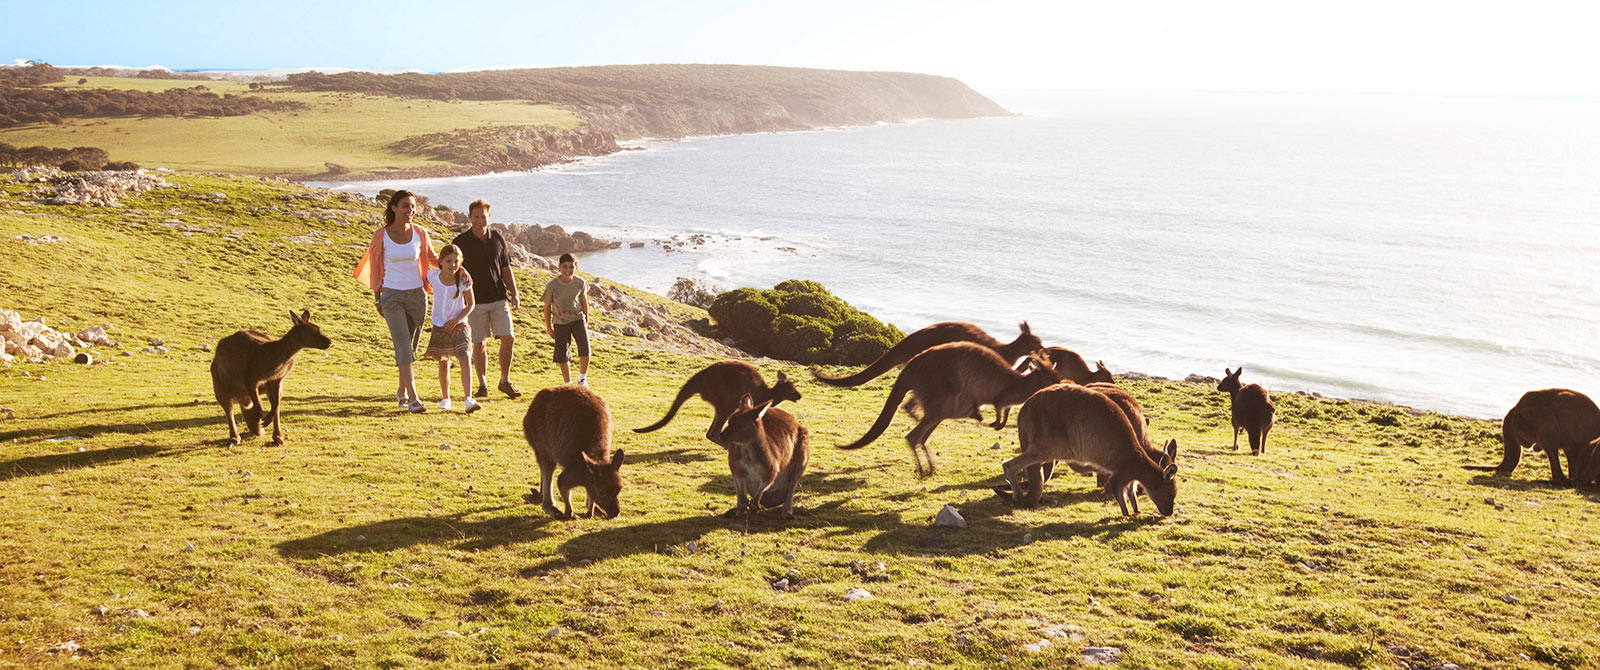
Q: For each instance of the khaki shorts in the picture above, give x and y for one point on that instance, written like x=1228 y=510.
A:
x=491 y=319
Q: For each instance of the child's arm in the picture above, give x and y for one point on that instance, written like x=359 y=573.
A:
x=583 y=301
x=464 y=282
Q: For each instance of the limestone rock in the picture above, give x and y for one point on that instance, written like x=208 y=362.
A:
x=855 y=594
x=948 y=516
x=1101 y=655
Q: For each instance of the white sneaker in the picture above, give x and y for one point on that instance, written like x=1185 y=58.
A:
x=444 y=404
x=471 y=406
x=583 y=381
x=400 y=397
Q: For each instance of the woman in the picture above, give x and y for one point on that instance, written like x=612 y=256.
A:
x=396 y=267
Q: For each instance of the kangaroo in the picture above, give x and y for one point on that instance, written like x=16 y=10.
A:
x=570 y=426
x=950 y=381
x=1164 y=456
x=247 y=362
x=1086 y=428
x=1253 y=411
x=944 y=332
x=722 y=384
x=1074 y=369
x=767 y=452
x=1552 y=421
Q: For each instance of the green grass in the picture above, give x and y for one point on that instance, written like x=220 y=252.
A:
x=364 y=543
x=346 y=129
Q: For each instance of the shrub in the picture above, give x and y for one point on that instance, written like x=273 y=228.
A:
x=70 y=165
x=801 y=321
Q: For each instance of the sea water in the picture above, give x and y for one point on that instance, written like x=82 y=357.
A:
x=1435 y=252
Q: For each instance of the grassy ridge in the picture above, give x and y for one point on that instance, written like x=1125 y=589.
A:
x=347 y=129
x=1355 y=542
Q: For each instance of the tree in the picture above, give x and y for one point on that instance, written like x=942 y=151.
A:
x=82 y=81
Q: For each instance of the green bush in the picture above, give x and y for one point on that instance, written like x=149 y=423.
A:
x=801 y=321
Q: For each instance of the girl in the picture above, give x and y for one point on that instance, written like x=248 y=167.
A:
x=394 y=267
x=452 y=302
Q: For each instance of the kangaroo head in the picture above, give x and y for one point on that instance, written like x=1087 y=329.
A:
x=605 y=484
x=1101 y=374
x=1230 y=380
x=305 y=333
x=1027 y=340
x=1164 y=493
x=744 y=427
x=784 y=390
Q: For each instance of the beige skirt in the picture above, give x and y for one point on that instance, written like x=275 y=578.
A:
x=450 y=344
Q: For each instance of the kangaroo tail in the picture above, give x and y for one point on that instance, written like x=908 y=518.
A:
x=1512 y=446
x=687 y=391
x=901 y=387
x=898 y=354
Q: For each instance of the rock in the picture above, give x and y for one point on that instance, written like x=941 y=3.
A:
x=8 y=414
x=205 y=347
x=194 y=630
x=854 y=594
x=69 y=647
x=188 y=548
x=449 y=633
x=948 y=516
x=1027 y=538
x=93 y=335
x=82 y=358
x=10 y=322
x=635 y=245
x=361 y=538
x=1101 y=655
x=631 y=331
x=101 y=610
x=136 y=614
x=1509 y=599
x=781 y=585
x=6 y=358
x=158 y=342
x=554 y=631
x=1449 y=666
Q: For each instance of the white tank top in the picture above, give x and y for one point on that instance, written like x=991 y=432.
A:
x=448 y=301
x=400 y=263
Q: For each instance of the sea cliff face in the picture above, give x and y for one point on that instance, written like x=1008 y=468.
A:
x=623 y=102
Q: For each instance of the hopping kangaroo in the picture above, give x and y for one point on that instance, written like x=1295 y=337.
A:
x=247 y=363
x=722 y=384
x=767 y=452
x=1164 y=456
x=944 y=332
x=1253 y=411
x=570 y=426
x=950 y=381
x=1552 y=421
x=1088 y=429
x=1074 y=369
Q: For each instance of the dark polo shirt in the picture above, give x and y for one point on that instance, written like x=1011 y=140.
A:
x=485 y=260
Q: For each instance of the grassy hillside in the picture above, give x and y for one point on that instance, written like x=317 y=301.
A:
x=351 y=130
x=381 y=539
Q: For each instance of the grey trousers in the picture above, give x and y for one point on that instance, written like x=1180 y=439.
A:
x=404 y=312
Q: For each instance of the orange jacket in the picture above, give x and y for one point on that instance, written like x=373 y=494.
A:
x=369 y=270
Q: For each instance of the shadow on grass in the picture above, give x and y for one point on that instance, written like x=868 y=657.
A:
x=32 y=466
x=324 y=406
x=452 y=530
x=709 y=452
x=1506 y=482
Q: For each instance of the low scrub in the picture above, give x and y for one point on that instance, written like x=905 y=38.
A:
x=801 y=321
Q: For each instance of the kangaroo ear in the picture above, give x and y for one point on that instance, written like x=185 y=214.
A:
x=1101 y=365
x=293 y=318
x=1171 y=471
x=1172 y=448
x=616 y=460
x=745 y=402
x=764 y=407
x=1025 y=329
x=305 y=315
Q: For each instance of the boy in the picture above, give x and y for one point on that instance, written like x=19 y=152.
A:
x=566 y=314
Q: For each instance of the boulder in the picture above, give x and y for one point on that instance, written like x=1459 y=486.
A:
x=948 y=516
x=10 y=322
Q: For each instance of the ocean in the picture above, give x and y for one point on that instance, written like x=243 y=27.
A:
x=1442 y=253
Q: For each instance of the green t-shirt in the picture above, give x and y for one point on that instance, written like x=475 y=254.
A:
x=565 y=300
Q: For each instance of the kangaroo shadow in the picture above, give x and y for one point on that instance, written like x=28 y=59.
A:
x=451 y=530
x=1506 y=482
x=674 y=456
x=129 y=408
x=345 y=406
x=32 y=466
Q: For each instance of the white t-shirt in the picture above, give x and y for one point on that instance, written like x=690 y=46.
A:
x=448 y=301
x=400 y=263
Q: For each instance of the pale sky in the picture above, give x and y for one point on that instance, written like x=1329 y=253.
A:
x=1484 y=48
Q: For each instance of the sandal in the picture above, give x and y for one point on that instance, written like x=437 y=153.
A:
x=416 y=407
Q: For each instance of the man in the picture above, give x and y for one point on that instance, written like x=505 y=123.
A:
x=487 y=258
x=566 y=316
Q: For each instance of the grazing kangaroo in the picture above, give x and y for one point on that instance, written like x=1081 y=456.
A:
x=1074 y=369
x=950 y=381
x=1164 y=456
x=1253 y=411
x=722 y=384
x=1087 y=428
x=944 y=332
x=570 y=426
x=1552 y=421
x=247 y=363
x=767 y=452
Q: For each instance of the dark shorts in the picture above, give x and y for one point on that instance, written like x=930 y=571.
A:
x=565 y=333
